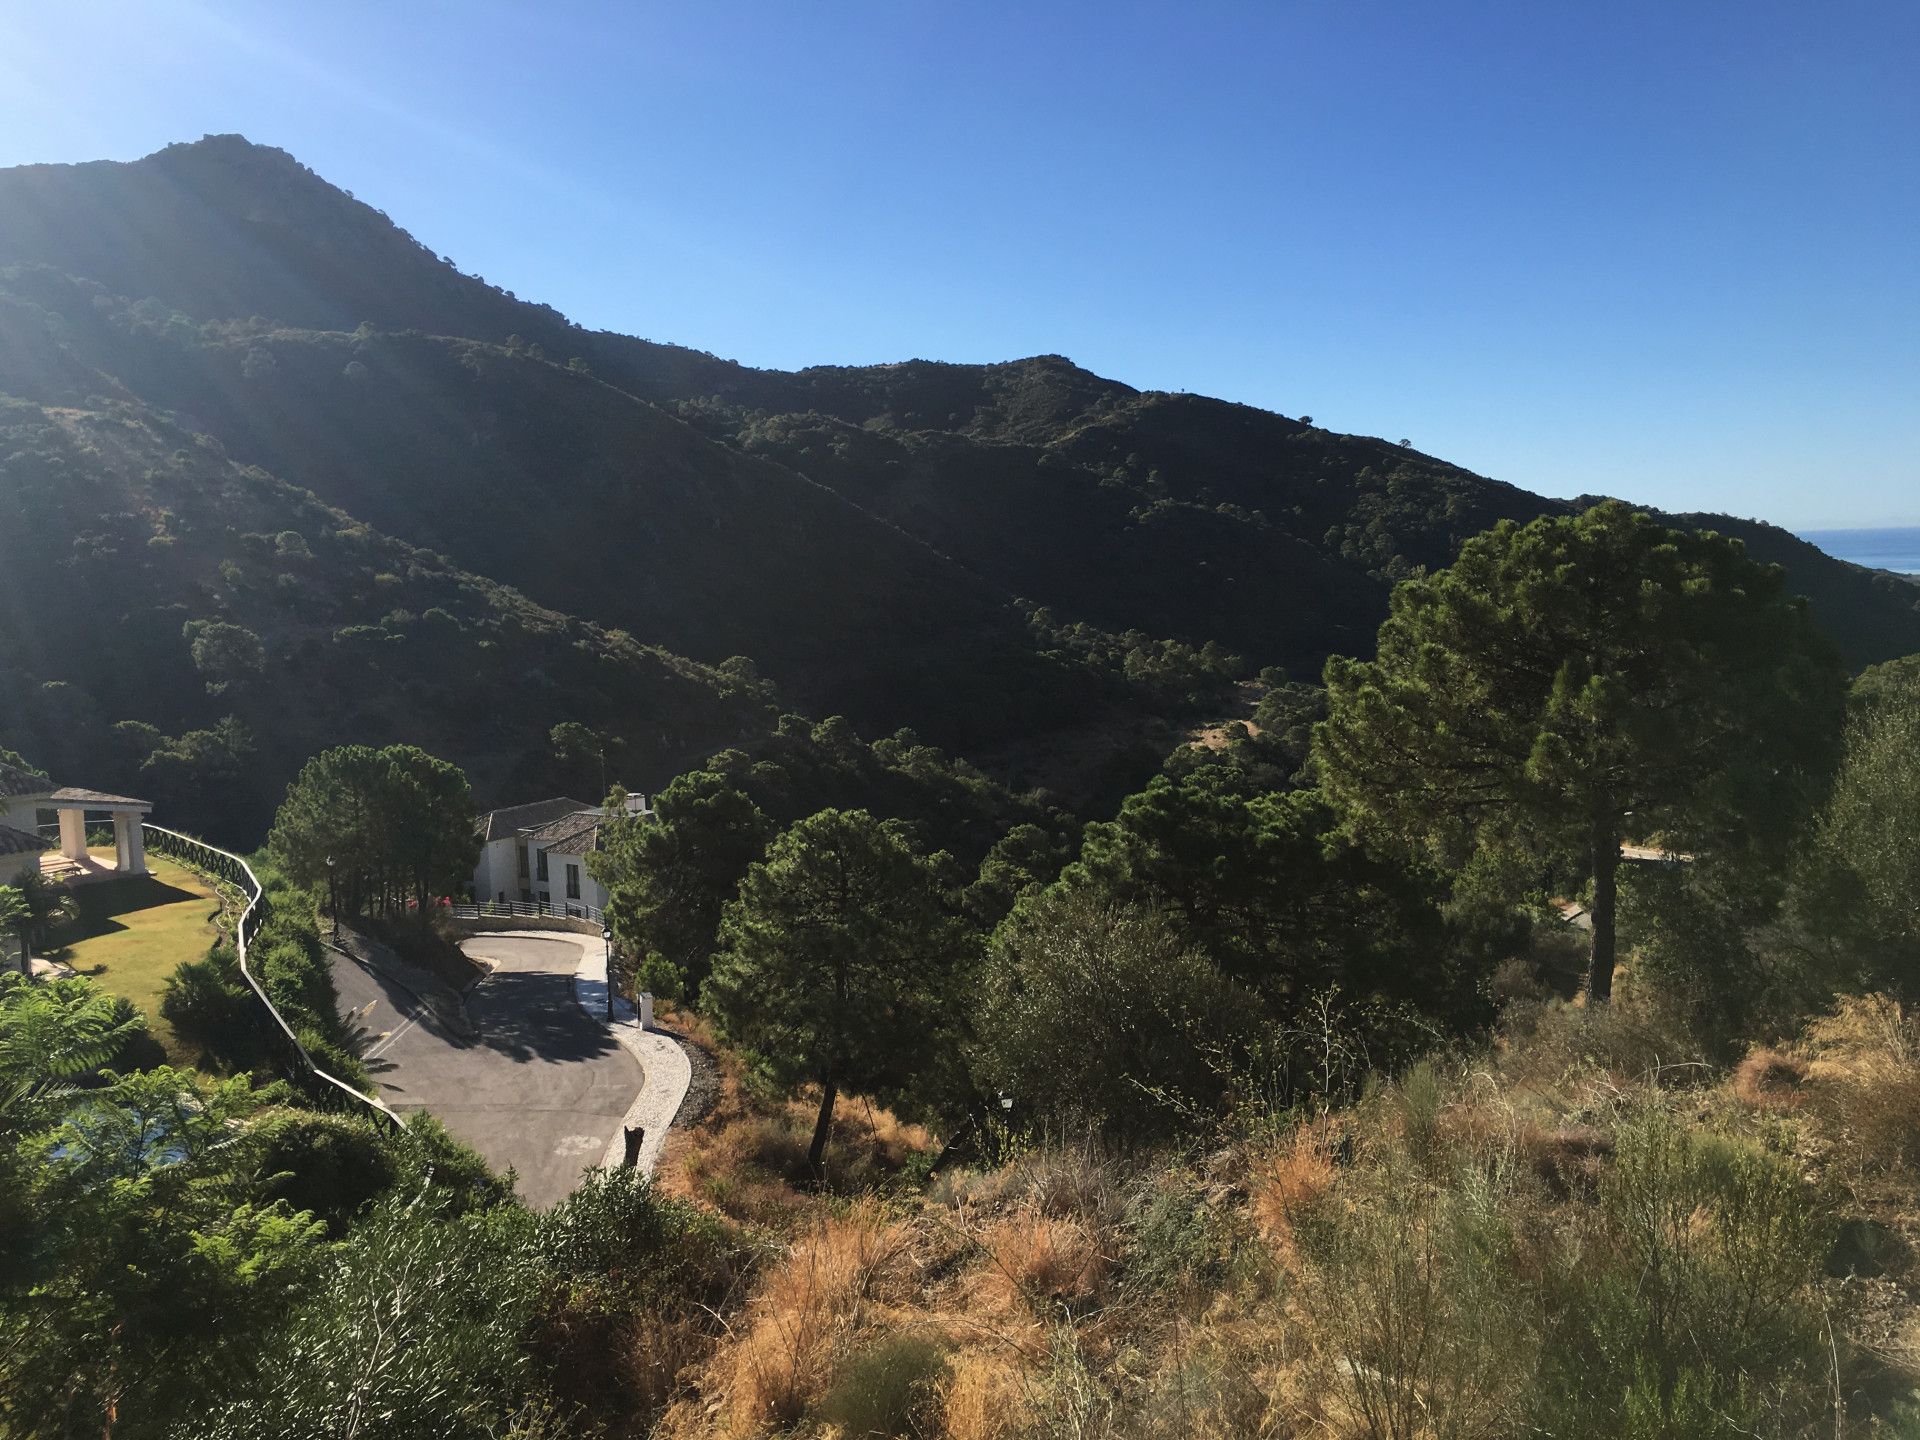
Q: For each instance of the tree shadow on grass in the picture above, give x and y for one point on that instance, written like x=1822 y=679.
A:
x=98 y=908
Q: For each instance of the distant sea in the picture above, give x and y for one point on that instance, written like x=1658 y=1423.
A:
x=1896 y=549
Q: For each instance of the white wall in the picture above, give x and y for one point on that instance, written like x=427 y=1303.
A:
x=554 y=887
x=497 y=871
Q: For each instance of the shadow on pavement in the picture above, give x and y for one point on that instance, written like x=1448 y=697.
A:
x=532 y=1016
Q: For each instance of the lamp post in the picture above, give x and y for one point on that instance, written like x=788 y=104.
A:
x=333 y=904
x=606 y=939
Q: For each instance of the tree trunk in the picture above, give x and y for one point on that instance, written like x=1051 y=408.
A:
x=1606 y=868
x=817 y=1152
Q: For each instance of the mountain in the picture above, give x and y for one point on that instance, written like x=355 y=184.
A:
x=234 y=625
x=991 y=554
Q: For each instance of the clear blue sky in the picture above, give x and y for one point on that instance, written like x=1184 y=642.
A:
x=1666 y=250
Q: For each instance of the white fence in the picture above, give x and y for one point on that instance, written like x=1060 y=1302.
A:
x=231 y=868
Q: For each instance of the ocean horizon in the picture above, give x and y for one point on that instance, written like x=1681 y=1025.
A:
x=1895 y=548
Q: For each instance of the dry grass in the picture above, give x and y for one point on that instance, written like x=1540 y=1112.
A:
x=1380 y=1272
x=984 y=1398
x=747 y=1158
x=1769 y=1079
x=780 y=1360
x=1864 y=1082
x=1039 y=1261
x=1289 y=1185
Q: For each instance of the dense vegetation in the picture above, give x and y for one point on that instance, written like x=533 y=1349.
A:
x=1265 y=1100
x=162 y=606
x=1019 y=561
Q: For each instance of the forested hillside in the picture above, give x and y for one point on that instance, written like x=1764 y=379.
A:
x=180 y=626
x=1015 y=560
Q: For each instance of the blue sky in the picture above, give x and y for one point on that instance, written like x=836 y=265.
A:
x=1665 y=250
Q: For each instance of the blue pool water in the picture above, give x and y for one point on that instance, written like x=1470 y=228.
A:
x=1895 y=549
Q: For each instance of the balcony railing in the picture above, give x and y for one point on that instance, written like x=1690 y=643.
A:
x=527 y=910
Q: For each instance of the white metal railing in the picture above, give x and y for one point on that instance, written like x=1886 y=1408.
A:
x=526 y=910
x=230 y=867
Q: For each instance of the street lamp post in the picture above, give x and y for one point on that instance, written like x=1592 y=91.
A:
x=333 y=904
x=606 y=939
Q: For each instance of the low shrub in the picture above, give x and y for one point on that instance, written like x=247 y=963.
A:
x=1697 y=1301
x=1769 y=1080
x=210 y=1006
x=331 y=1165
x=889 y=1389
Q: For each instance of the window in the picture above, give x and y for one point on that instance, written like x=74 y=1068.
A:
x=540 y=863
x=573 y=882
x=522 y=848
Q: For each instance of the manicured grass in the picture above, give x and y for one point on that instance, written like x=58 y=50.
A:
x=131 y=934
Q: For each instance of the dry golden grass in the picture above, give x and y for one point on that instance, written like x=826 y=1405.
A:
x=984 y=1398
x=780 y=1359
x=1347 y=1289
x=1769 y=1079
x=747 y=1158
x=1864 y=1082
x=1288 y=1185
x=1040 y=1261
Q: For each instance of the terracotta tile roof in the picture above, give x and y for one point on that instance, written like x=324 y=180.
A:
x=499 y=824
x=570 y=834
x=74 y=795
x=16 y=782
x=19 y=842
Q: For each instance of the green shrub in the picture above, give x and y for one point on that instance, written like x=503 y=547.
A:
x=1176 y=1238
x=418 y=1330
x=887 y=1390
x=1699 y=1308
x=661 y=978
x=209 y=1004
x=330 y=1165
x=138 y=1048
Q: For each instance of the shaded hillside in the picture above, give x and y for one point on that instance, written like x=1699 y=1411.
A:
x=187 y=628
x=586 y=498
x=860 y=532
x=1880 y=610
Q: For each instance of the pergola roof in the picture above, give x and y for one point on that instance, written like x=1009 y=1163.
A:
x=74 y=795
x=15 y=782
x=19 y=842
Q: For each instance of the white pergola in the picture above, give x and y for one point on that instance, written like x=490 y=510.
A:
x=24 y=796
x=129 y=846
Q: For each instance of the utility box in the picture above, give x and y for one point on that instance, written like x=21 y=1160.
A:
x=646 y=1011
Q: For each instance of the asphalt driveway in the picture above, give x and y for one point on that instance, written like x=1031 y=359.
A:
x=539 y=1087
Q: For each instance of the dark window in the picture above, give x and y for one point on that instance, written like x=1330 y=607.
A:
x=523 y=860
x=541 y=864
x=573 y=882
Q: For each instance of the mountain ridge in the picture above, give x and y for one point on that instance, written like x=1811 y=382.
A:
x=985 y=553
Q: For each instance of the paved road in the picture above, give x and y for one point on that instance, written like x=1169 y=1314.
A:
x=543 y=1088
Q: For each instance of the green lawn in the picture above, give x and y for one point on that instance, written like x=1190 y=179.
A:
x=132 y=933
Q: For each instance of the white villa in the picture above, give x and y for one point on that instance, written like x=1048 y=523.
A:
x=26 y=799
x=537 y=855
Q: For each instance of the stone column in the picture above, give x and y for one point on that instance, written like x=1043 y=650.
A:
x=73 y=833
x=136 y=847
